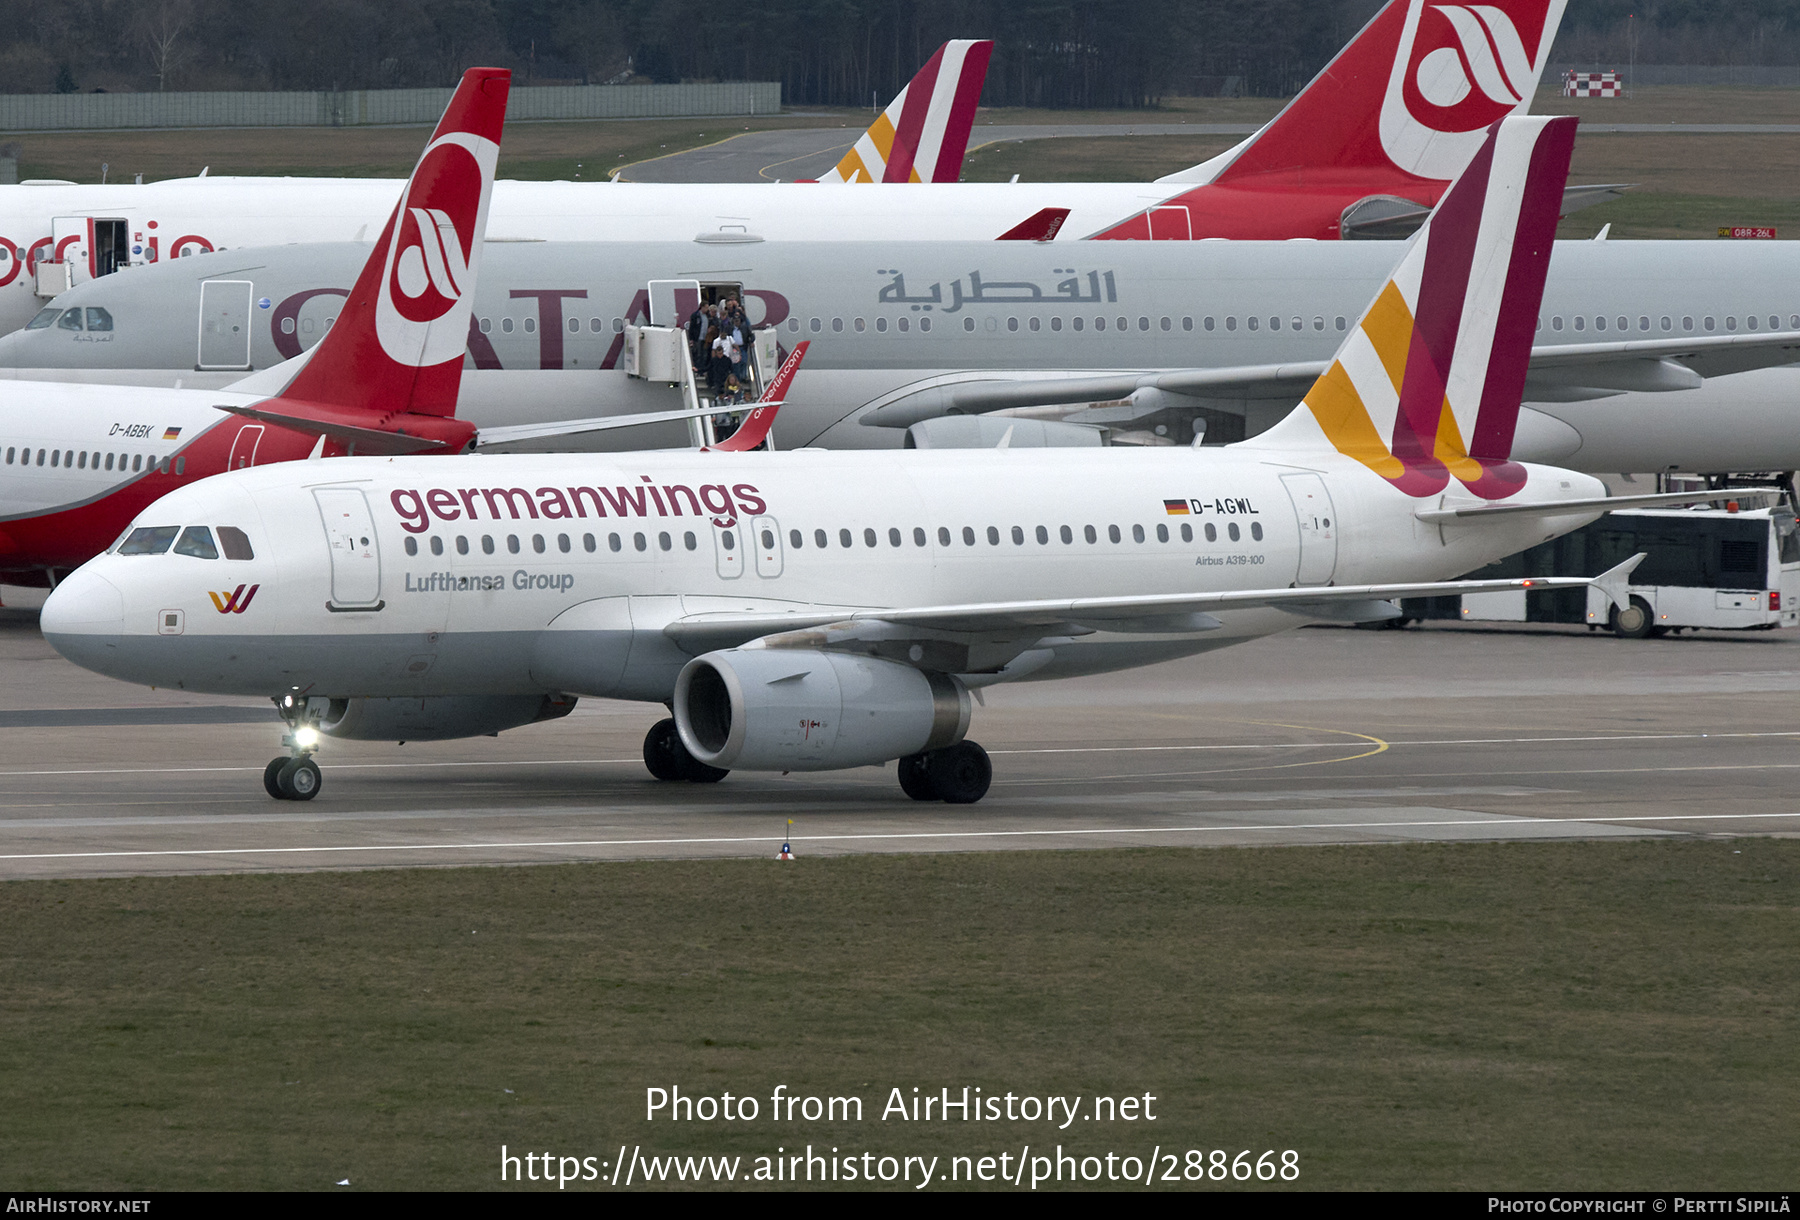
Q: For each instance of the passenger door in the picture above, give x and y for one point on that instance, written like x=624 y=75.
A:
x=765 y=537
x=224 y=324
x=355 y=553
x=1318 y=528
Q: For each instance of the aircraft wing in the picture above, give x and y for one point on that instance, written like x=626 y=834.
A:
x=1007 y=629
x=499 y=438
x=1703 y=355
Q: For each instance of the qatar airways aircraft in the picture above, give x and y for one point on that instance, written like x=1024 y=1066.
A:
x=1143 y=341
x=819 y=610
x=1364 y=150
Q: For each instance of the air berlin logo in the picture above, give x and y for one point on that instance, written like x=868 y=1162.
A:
x=235 y=602
x=429 y=275
x=1458 y=69
x=1489 y=56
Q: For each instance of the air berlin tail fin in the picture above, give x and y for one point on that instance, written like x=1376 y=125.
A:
x=1426 y=388
x=397 y=345
x=1413 y=94
x=924 y=133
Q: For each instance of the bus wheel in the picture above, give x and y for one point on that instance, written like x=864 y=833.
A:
x=1635 y=622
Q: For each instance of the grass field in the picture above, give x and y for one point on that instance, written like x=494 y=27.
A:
x=1593 y=1015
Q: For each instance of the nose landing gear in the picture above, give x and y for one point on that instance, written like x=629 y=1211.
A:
x=294 y=776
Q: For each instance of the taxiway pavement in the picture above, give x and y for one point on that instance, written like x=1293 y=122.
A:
x=1320 y=736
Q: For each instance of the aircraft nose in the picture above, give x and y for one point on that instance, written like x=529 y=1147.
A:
x=84 y=602
x=83 y=619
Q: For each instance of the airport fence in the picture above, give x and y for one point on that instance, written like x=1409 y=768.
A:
x=1719 y=75
x=20 y=112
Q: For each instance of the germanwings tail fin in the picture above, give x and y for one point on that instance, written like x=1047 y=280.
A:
x=924 y=133
x=1413 y=94
x=1426 y=388
x=755 y=428
x=397 y=345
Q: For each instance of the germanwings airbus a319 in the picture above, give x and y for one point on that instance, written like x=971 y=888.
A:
x=1364 y=150
x=819 y=610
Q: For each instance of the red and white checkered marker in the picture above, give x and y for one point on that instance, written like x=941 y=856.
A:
x=786 y=853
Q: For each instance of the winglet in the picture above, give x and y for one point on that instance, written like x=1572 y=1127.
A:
x=1042 y=225
x=1615 y=582
x=755 y=428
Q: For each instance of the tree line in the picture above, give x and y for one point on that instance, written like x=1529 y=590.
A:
x=1052 y=53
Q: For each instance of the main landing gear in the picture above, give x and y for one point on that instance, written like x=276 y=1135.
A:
x=294 y=776
x=957 y=775
x=668 y=758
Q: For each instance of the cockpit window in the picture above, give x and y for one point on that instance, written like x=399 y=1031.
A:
x=235 y=543
x=197 y=541
x=98 y=319
x=43 y=319
x=149 y=540
x=71 y=320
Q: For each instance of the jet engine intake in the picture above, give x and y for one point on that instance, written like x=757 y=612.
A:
x=777 y=709
x=438 y=717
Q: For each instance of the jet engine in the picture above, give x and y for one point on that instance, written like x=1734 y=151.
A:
x=780 y=709
x=439 y=717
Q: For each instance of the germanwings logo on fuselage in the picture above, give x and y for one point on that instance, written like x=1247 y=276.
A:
x=235 y=602
x=717 y=502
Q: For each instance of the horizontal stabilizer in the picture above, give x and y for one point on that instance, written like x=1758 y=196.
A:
x=1603 y=504
x=372 y=441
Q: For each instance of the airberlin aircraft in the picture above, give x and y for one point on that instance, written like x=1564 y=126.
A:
x=1363 y=151
x=820 y=610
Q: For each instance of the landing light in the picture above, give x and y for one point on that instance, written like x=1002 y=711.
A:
x=306 y=738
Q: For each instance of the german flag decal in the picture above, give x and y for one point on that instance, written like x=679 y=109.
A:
x=170 y=434
x=1175 y=508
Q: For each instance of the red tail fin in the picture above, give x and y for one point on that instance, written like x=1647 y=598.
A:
x=1041 y=225
x=755 y=428
x=397 y=345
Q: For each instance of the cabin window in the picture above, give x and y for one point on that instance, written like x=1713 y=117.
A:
x=1687 y=324
x=643 y=544
x=1212 y=532
x=1341 y=324
x=81 y=462
x=1556 y=323
x=881 y=325
x=487 y=544
x=563 y=544
x=1708 y=323
x=1255 y=530
x=1043 y=536
x=795 y=539
x=1187 y=532
x=1643 y=323
x=1067 y=535
x=820 y=539
x=437 y=545
x=1750 y=321
x=860 y=325
x=1099 y=323
x=1137 y=533
x=1055 y=323
x=1018 y=536
x=575 y=325
x=531 y=326
x=1112 y=533
x=1599 y=323
x=1187 y=324
x=1580 y=322
x=1730 y=323
x=944 y=536
x=664 y=541
x=1667 y=322
x=1253 y=322
x=689 y=541
x=837 y=325
x=1077 y=323
x=55 y=457
x=537 y=543
x=727 y=539
x=1012 y=324
x=1230 y=323
x=1034 y=323
x=968 y=535
x=869 y=537
x=893 y=537
x=902 y=324
x=180 y=466
x=968 y=323
x=1167 y=324
x=506 y=325
x=1087 y=531
x=815 y=326
x=1162 y=533
x=588 y=544
x=993 y=533
x=462 y=544
x=614 y=543
x=11 y=453
x=844 y=539
x=596 y=325
x=512 y=544
x=1232 y=531
x=919 y=536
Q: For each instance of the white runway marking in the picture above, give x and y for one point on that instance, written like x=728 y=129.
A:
x=582 y=762
x=1487 y=822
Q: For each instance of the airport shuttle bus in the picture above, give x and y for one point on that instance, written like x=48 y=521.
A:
x=1705 y=567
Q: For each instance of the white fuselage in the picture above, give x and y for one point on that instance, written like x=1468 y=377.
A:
x=550 y=316
x=500 y=576
x=166 y=220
